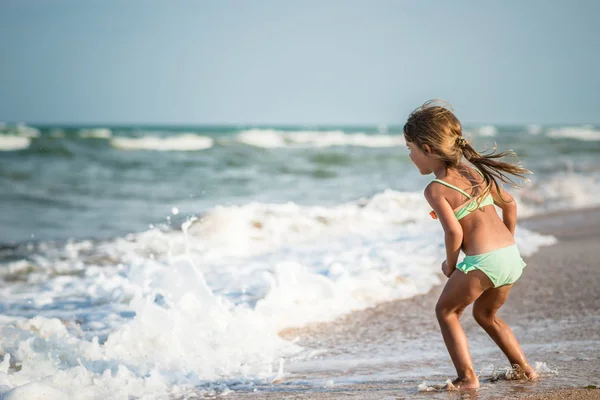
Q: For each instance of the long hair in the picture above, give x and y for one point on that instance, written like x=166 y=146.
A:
x=436 y=126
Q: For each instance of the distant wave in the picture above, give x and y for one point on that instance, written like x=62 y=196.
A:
x=11 y=142
x=97 y=133
x=585 y=133
x=27 y=131
x=486 y=130
x=20 y=129
x=534 y=129
x=184 y=142
x=561 y=191
x=271 y=138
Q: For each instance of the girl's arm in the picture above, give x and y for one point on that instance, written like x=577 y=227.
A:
x=509 y=208
x=453 y=233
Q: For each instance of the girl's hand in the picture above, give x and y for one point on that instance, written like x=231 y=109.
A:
x=446 y=269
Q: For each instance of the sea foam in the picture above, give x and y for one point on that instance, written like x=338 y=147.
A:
x=183 y=142
x=12 y=143
x=166 y=312
x=97 y=133
x=561 y=191
x=585 y=133
x=271 y=138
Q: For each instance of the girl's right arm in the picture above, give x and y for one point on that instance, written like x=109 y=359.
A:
x=509 y=208
x=453 y=233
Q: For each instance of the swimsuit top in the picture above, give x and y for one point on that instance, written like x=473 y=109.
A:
x=467 y=208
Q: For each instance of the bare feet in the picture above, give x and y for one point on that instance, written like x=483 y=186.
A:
x=526 y=372
x=516 y=373
x=529 y=373
x=463 y=384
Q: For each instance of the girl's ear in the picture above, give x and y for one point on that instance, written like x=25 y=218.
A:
x=427 y=149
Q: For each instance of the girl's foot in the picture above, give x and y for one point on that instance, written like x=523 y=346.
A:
x=530 y=373
x=515 y=373
x=525 y=373
x=464 y=384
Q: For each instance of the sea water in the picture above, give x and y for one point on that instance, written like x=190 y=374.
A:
x=154 y=262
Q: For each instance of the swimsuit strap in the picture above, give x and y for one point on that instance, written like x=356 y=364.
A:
x=452 y=187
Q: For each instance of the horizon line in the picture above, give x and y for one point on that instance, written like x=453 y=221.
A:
x=266 y=125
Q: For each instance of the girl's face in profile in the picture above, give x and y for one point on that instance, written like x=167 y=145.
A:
x=419 y=158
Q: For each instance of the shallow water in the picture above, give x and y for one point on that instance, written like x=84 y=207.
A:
x=163 y=262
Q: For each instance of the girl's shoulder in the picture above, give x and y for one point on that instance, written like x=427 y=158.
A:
x=432 y=189
x=458 y=185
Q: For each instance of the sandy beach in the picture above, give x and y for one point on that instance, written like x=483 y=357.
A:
x=554 y=311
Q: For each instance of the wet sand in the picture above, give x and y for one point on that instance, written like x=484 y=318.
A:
x=554 y=311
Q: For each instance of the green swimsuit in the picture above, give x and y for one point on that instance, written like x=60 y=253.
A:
x=503 y=266
x=469 y=206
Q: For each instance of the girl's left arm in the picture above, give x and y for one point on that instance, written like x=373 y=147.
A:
x=453 y=233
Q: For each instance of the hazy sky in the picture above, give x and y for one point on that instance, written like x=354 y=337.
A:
x=297 y=62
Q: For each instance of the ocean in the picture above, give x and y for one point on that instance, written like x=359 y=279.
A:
x=155 y=262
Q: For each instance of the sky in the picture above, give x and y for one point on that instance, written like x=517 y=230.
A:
x=297 y=62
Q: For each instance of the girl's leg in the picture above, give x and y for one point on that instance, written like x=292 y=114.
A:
x=484 y=311
x=460 y=291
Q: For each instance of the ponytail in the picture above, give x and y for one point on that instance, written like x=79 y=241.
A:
x=493 y=170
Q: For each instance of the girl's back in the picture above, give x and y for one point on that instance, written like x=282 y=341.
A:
x=483 y=230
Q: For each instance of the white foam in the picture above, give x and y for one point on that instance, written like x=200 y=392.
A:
x=424 y=387
x=205 y=333
x=509 y=373
x=382 y=128
x=560 y=191
x=210 y=300
x=257 y=227
x=529 y=242
x=183 y=142
x=298 y=296
x=97 y=133
x=34 y=390
x=27 y=131
x=266 y=138
x=534 y=129
x=11 y=142
x=542 y=368
x=271 y=138
x=584 y=133
x=192 y=337
x=486 y=130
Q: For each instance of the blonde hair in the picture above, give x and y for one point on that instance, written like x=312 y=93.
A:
x=435 y=125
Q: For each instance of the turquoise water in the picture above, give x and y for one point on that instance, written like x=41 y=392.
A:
x=79 y=182
x=161 y=262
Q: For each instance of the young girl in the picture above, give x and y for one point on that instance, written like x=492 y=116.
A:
x=462 y=197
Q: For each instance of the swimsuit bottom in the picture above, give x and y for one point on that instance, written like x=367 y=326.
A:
x=503 y=266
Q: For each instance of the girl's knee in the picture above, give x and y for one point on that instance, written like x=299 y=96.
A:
x=444 y=311
x=483 y=317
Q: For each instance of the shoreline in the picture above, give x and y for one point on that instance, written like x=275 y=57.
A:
x=554 y=311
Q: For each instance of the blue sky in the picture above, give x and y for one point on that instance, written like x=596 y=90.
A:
x=297 y=62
